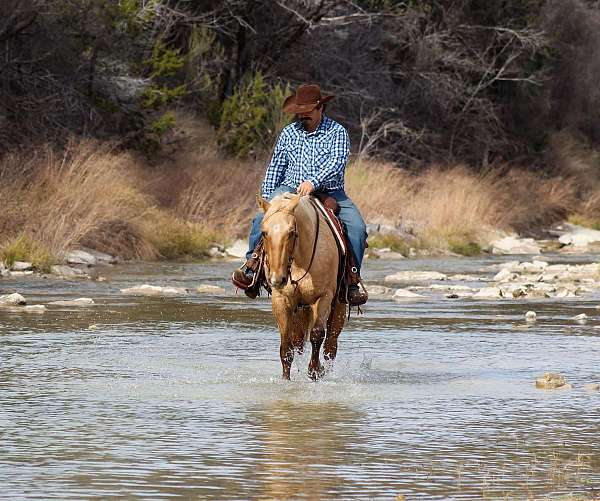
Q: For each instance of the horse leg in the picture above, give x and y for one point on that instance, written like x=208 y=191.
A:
x=285 y=321
x=300 y=329
x=320 y=311
x=335 y=324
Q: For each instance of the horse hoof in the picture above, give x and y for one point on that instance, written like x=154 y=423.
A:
x=315 y=374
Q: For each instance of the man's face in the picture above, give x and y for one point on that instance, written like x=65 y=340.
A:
x=310 y=119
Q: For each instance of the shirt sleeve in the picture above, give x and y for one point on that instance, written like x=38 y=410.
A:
x=335 y=163
x=276 y=168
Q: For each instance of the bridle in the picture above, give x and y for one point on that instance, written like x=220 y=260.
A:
x=291 y=254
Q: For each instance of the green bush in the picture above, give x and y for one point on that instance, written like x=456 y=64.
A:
x=23 y=248
x=464 y=247
x=252 y=117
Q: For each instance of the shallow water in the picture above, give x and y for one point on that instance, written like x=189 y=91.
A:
x=182 y=397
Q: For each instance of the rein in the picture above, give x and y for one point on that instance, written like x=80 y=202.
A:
x=314 y=249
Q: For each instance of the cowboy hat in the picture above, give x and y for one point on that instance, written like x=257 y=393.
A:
x=307 y=98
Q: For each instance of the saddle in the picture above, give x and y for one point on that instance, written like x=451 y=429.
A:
x=347 y=269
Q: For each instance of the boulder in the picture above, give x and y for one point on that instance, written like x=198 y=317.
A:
x=514 y=245
x=210 y=289
x=403 y=294
x=154 y=290
x=215 y=252
x=21 y=273
x=80 y=257
x=21 y=266
x=512 y=266
x=489 y=293
x=101 y=257
x=387 y=253
x=14 y=299
x=564 y=293
x=238 y=249
x=533 y=267
x=3 y=271
x=67 y=271
x=551 y=381
x=82 y=301
x=378 y=290
x=579 y=237
x=531 y=316
x=415 y=276
x=581 y=318
x=505 y=275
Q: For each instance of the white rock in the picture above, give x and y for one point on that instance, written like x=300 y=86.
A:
x=34 y=308
x=82 y=301
x=402 y=294
x=509 y=265
x=210 y=289
x=101 y=257
x=489 y=293
x=216 y=252
x=466 y=278
x=579 y=237
x=80 y=257
x=591 y=387
x=378 y=290
x=415 y=276
x=67 y=271
x=448 y=287
x=391 y=255
x=531 y=316
x=515 y=245
x=154 y=290
x=565 y=293
x=533 y=267
x=3 y=271
x=21 y=266
x=238 y=249
x=12 y=299
x=21 y=273
x=505 y=275
x=581 y=318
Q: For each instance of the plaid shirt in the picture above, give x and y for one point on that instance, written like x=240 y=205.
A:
x=319 y=157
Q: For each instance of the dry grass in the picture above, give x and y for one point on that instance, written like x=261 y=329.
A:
x=95 y=195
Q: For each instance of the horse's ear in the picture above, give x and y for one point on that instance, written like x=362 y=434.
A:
x=291 y=206
x=262 y=203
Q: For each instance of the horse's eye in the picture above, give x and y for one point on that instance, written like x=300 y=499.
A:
x=263 y=233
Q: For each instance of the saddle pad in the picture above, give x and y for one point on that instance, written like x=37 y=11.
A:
x=334 y=223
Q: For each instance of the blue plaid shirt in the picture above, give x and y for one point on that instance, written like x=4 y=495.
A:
x=319 y=157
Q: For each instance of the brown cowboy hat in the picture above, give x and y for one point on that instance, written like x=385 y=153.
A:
x=307 y=98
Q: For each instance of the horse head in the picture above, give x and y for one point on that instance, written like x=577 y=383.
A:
x=279 y=233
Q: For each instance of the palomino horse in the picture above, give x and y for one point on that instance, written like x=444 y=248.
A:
x=301 y=266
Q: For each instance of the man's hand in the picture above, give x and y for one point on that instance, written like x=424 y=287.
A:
x=305 y=188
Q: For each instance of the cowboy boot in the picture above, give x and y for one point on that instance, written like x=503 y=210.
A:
x=244 y=277
x=357 y=295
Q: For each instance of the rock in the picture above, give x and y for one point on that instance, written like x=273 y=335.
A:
x=101 y=257
x=454 y=295
x=505 y=275
x=533 y=267
x=21 y=266
x=3 y=271
x=489 y=293
x=215 y=252
x=403 y=294
x=238 y=249
x=466 y=278
x=67 y=271
x=579 y=237
x=415 y=276
x=581 y=318
x=14 y=299
x=210 y=289
x=514 y=245
x=550 y=381
x=591 y=387
x=512 y=266
x=387 y=253
x=449 y=287
x=80 y=257
x=82 y=301
x=34 y=308
x=21 y=273
x=563 y=293
x=531 y=316
x=154 y=290
x=378 y=290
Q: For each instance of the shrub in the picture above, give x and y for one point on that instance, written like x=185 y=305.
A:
x=251 y=118
x=23 y=248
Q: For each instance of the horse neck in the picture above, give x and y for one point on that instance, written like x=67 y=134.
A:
x=306 y=228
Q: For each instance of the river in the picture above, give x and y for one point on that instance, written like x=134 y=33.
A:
x=181 y=397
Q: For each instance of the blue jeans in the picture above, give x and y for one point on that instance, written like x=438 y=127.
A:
x=349 y=215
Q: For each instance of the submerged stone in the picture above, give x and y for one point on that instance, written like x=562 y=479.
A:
x=403 y=294
x=154 y=290
x=210 y=289
x=531 y=316
x=550 y=381
x=14 y=299
x=415 y=276
x=82 y=301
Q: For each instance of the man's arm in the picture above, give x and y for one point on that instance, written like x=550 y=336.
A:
x=276 y=169
x=336 y=162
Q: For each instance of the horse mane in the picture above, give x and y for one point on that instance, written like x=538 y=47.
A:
x=280 y=202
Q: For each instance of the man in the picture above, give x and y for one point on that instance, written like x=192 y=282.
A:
x=311 y=154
